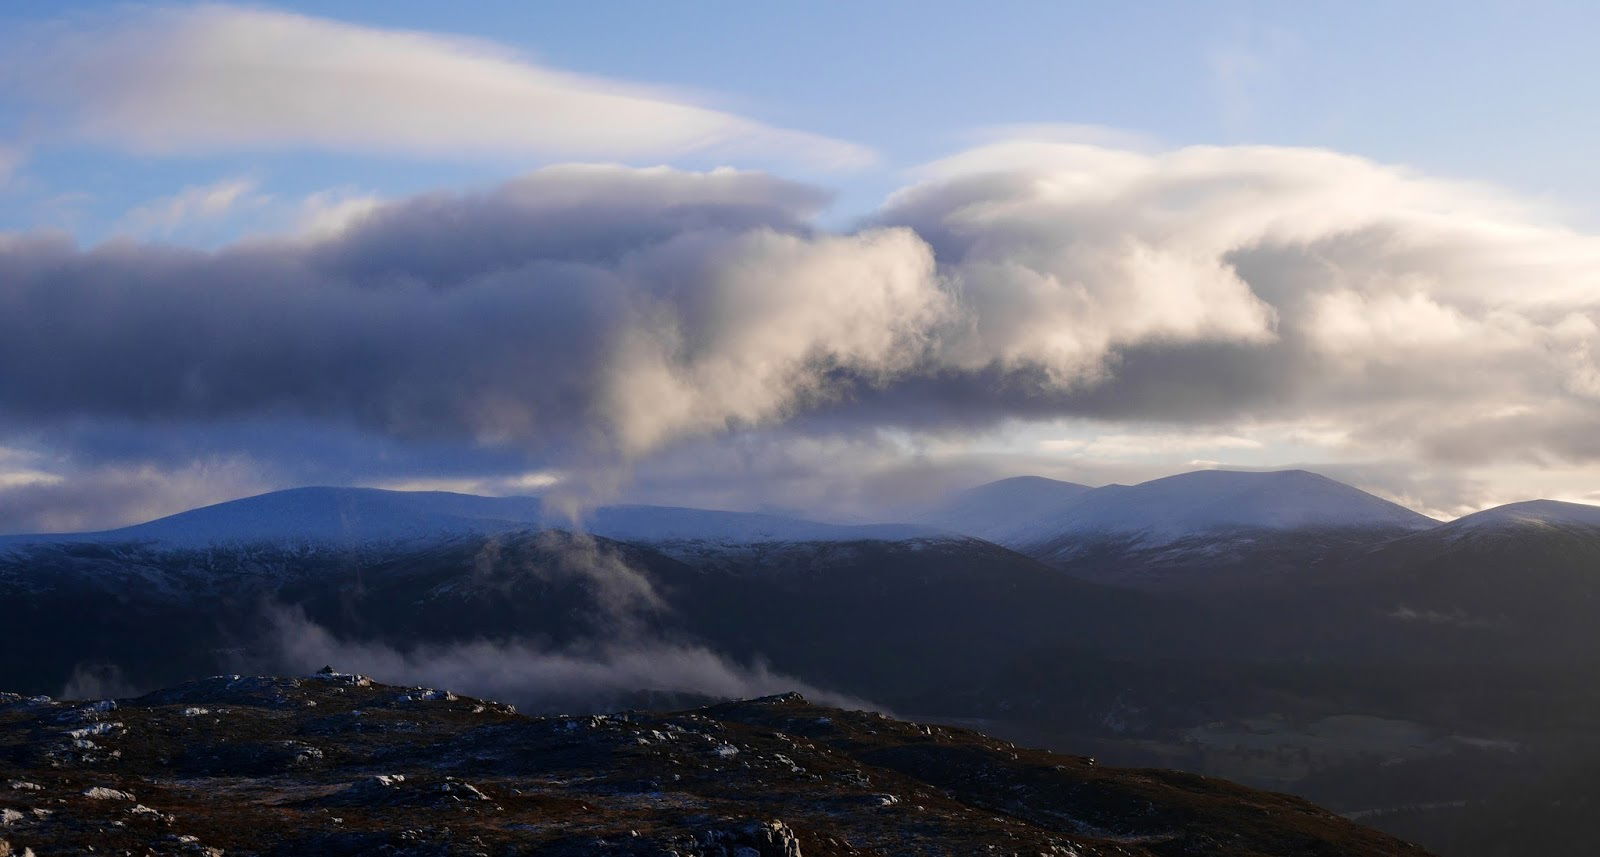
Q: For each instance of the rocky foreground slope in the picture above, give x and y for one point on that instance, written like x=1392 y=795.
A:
x=337 y=764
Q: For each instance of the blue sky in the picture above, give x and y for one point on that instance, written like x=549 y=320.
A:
x=248 y=247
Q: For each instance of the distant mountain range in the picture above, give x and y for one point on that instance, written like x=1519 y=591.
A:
x=349 y=517
x=1201 y=529
x=1029 y=513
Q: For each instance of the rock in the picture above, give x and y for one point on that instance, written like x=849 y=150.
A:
x=752 y=839
x=398 y=790
x=332 y=676
x=248 y=758
x=103 y=793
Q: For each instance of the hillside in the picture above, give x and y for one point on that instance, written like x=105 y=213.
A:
x=336 y=764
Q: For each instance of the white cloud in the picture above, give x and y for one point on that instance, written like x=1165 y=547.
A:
x=497 y=485
x=194 y=205
x=213 y=77
x=1146 y=445
x=327 y=213
x=1350 y=281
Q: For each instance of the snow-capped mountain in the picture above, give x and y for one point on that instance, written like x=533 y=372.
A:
x=1029 y=511
x=359 y=516
x=1007 y=511
x=1529 y=513
x=1163 y=530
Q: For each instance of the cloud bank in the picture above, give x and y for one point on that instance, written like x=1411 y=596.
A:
x=590 y=315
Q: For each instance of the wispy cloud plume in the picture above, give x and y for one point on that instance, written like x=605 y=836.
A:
x=196 y=204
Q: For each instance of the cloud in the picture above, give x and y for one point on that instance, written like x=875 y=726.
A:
x=211 y=78
x=326 y=213
x=195 y=204
x=1146 y=444
x=1214 y=283
x=580 y=309
x=602 y=318
x=595 y=676
x=90 y=498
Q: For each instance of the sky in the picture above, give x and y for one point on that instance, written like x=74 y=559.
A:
x=826 y=258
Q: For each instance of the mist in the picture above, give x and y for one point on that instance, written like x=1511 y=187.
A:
x=585 y=678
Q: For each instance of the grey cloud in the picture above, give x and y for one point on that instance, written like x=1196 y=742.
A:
x=576 y=214
x=580 y=307
x=596 y=317
x=99 y=497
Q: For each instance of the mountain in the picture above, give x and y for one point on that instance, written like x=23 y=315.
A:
x=1008 y=510
x=1204 y=501
x=1196 y=528
x=337 y=764
x=348 y=517
x=1525 y=577
x=1544 y=514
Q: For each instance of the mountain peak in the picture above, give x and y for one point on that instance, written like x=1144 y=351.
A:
x=1205 y=500
x=1532 y=513
x=1026 y=513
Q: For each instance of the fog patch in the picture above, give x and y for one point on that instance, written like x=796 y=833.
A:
x=1454 y=618
x=97 y=681
x=589 y=677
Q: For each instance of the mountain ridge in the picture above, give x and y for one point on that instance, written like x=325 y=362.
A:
x=347 y=516
x=1165 y=509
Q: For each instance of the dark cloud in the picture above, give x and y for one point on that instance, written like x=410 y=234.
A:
x=512 y=317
